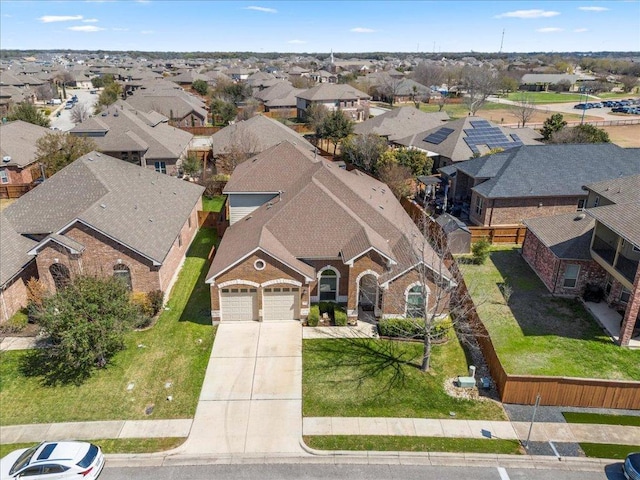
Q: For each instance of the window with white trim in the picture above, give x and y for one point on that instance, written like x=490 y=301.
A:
x=571 y=276
x=581 y=204
x=123 y=273
x=4 y=175
x=161 y=167
x=625 y=295
x=415 y=302
x=479 y=202
x=328 y=285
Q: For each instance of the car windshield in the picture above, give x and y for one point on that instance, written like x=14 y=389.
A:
x=23 y=460
x=89 y=457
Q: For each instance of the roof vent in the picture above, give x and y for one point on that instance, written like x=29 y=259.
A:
x=579 y=217
x=6 y=159
x=102 y=205
x=248 y=218
x=380 y=207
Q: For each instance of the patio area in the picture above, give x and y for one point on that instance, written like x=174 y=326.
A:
x=610 y=320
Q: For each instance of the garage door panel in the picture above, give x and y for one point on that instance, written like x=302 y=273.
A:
x=238 y=304
x=280 y=304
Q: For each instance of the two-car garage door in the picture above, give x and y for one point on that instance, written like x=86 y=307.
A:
x=241 y=304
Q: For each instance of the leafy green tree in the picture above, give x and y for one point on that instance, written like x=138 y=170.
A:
x=85 y=323
x=226 y=111
x=27 y=112
x=201 y=87
x=364 y=150
x=109 y=95
x=191 y=166
x=97 y=82
x=57 y=150
x=552 y=124
x=417 y=162
x=398 y=179
x=584 y=133
x=335 y=128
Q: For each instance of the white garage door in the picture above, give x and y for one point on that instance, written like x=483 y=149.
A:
x=280 y=304
x=238 y=304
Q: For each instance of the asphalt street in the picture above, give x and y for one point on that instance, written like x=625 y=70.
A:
x=63 y=122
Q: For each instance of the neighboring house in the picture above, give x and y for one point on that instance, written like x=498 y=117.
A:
x=279 y=97
x=598 y=247
x=252 y=137
x=316 y=233
x=352 y=102
x=465 y=138
x=239 y=74
x=540 y=82
x=99 y=216
x=181 y=108
x=386 y=86
x=18 y=152
x=535 y=180
x=400 y=122
x=322 y=76
x=136 y=137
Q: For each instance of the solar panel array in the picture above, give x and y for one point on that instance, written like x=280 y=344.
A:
x=439 y=136
x=483 y=133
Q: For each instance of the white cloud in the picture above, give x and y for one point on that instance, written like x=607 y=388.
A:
x=90 y=20
x=261 y=9
x=362 y=30
x=593 y=9
x=549 y=30
x=297 y=42
x=146 y=32
x=85 y=28
x=59 y=18
x=116 y=29
x=580 y=30
x=528 y=14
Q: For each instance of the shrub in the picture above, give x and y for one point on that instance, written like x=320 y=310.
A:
x=314 y=316
x=47 y=111
x=441 y=329
x=339 y=316
x=141 y=301
x=326 y=307
x=480 y=251
x=15 y=324
x=401 y=327
x=36 y=291
x=156 y=299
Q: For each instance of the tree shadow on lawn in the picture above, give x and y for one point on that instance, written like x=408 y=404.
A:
x=198 y=307
x=368 y=359
x=537 y=312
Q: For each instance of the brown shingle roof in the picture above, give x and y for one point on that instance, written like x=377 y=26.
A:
x=568 y=235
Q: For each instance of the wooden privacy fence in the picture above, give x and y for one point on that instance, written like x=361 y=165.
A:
x=201 y=131
x=498 y=234
x=15 y=191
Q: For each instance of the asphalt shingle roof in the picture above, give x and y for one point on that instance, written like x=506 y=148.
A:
x=13 y=250
x=138 y=207
x=18 y=141
x=568 y=235
x=400 y=122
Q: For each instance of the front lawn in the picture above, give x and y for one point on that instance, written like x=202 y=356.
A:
x=114 y=445
x=607 y=450
x=168 y=359
x=549 y=97
x=381 y=378
x=537 y=334
x=413 y=444
x=213 y=204
x=601 y=419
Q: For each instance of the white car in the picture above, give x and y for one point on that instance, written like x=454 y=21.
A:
x=53 y=460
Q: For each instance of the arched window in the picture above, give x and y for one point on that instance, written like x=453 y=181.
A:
x=415 y=302
x=328 y=285
x=122 y=272
x=60 y=274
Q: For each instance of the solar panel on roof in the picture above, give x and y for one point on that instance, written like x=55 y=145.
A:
x=479 y=123
x=439 y=136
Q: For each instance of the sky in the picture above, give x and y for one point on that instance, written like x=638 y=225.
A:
x=321 y=26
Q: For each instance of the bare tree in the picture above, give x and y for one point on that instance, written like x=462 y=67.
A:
x=45 y=92
x=249 y=109
x=479 y=83
x=243 y=145
x=80 y=112
x=364 y=150
x=389 y=87
x=398 y=178
x=428 y=74
x=523 y=108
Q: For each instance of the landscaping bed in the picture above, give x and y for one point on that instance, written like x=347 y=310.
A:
x=168 y=359
x=535 y=333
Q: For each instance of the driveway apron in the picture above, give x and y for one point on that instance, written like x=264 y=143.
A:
x=251 y=399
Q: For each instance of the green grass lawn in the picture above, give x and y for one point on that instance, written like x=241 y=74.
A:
x=115 y=445
x=381 y=378
x=213 y=204
x=413 y=444
x=175 y=350
x=605 y=450
x=536 y=334
x=601 y=419
x=548 y=97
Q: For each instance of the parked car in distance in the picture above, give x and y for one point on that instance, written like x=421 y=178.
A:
x=68 y=106
x=596 y=105
x=93 y=92
x=631 y=466
x=54 y=460
x=582 y=106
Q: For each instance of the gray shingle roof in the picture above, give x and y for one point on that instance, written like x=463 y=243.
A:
x=568 y=235
x=138 y=207
x=619 y=190
x=18 y=141
x=323 y=211
x=332 y=91
x=624 y=219
x=553 y=170
x=13 y=250
x=401 y=122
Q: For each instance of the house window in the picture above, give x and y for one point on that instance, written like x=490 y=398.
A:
x=4 y=176
x=608 y=286
x=581 y=204
x=124 y=156
x=415 y=302
x=596 y=201
x=625 y=295
x=636 y=249
x=189 y=221
x=479 y=202
x=122 y=273
x=571 y=276
x=60 y=274
x=179 y=241
x=161 y=167
x=328 y=285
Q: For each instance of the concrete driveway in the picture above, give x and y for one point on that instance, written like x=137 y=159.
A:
x=251 y=399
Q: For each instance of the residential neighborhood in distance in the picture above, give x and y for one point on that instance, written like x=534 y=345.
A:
x=258 y=253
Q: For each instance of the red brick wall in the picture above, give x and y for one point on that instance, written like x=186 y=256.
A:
x=370 y=261
x=394 y=301
x=511 y=211
x=540 y=258
x=14 y=296
x=343 y=282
